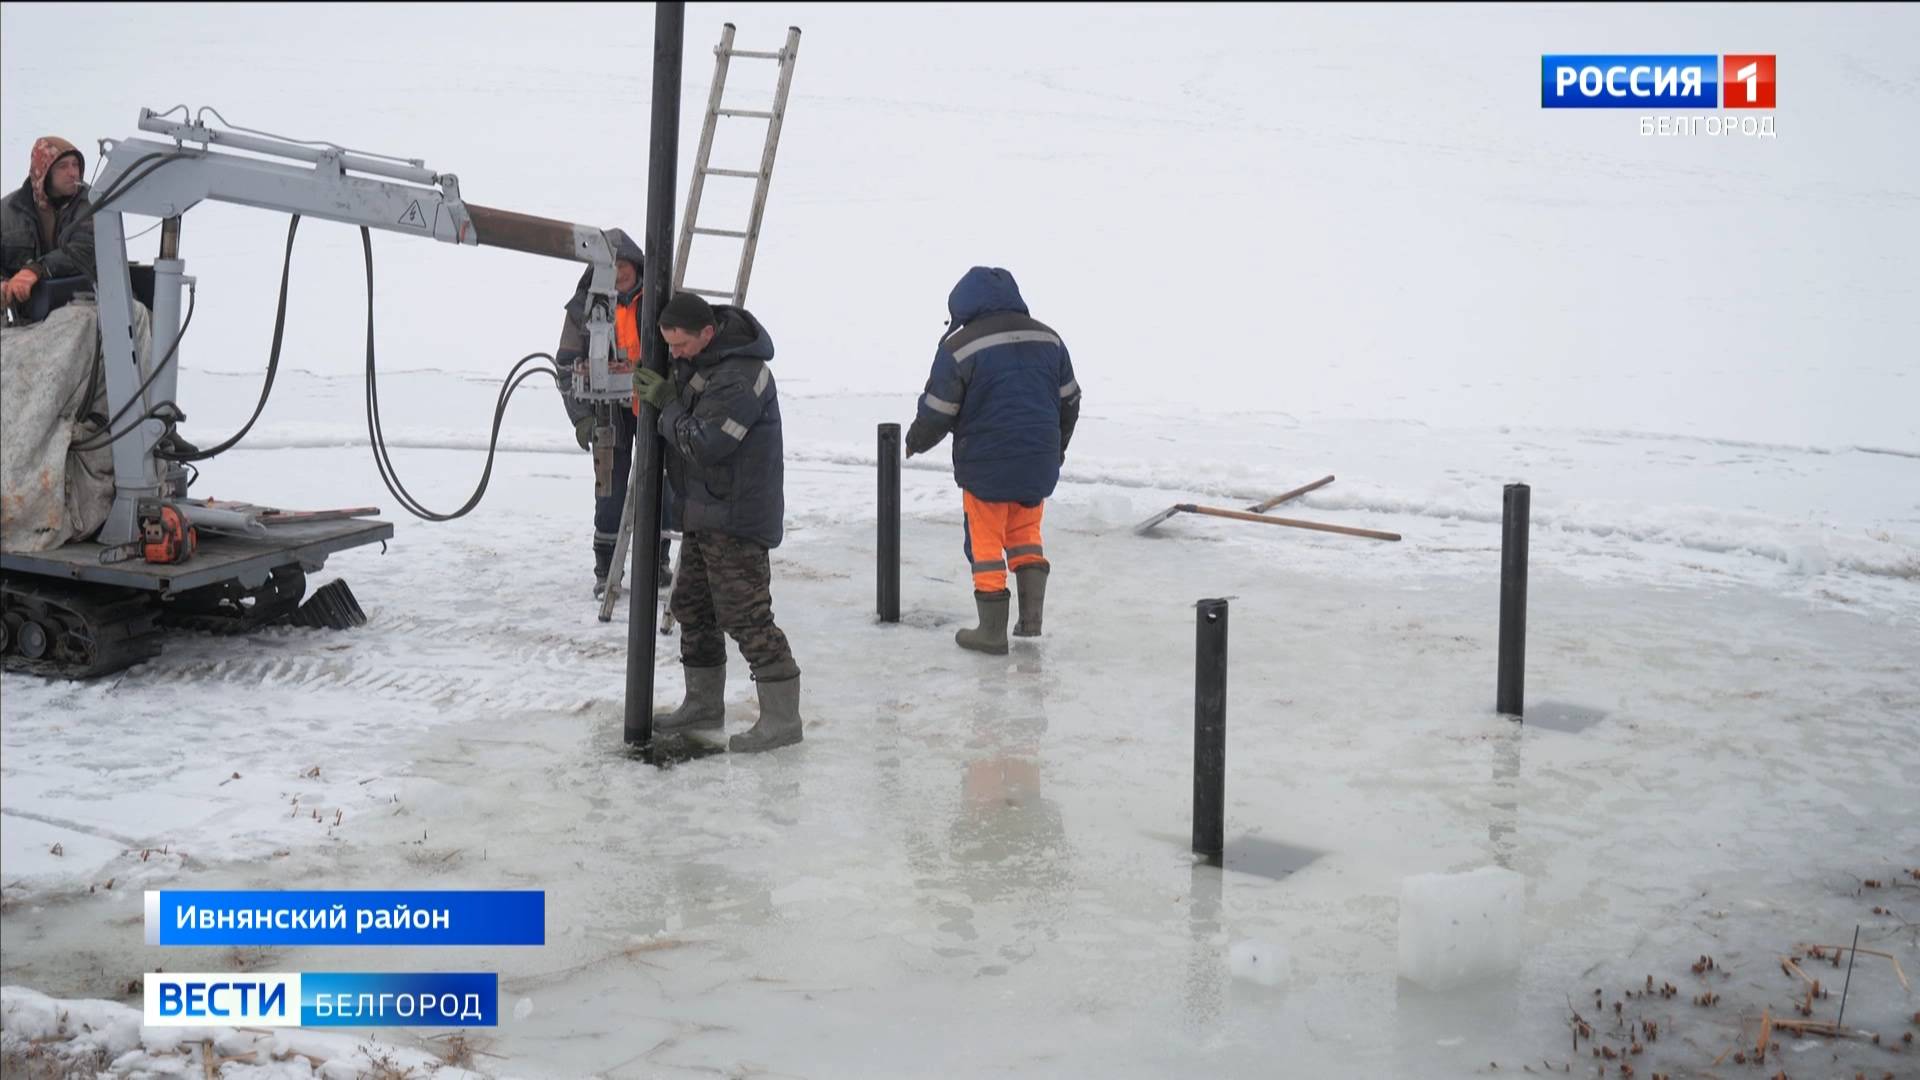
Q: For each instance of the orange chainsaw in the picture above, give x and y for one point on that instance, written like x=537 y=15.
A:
x=165 y=537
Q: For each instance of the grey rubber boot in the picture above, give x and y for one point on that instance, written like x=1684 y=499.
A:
x=705 y=707
x=1033 y=597
x=602 y=560
x=779 y=723
x=991 y=635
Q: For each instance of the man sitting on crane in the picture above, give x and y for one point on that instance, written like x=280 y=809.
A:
x=46 y=230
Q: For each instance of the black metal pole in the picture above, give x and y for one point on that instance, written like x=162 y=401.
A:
x=669 y=21
x=888 y=570
x=1848 y=985
x=1513 y=601
x=1210 y=731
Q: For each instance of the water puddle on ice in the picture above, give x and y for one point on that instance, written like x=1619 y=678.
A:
x=1255 y=855
x=1561 y=716
x=1267 y=858
x=666 y=751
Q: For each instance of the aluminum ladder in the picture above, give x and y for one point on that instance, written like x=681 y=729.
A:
x=749 y=239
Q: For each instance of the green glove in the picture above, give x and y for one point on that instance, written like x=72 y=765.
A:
x=654 y=388
x=583 y=432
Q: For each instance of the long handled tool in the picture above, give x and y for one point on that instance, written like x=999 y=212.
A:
x=1261 y=508
x=1258 y=508
x=1241 y=515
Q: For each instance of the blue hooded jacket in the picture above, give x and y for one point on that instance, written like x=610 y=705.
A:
x=1003 y=384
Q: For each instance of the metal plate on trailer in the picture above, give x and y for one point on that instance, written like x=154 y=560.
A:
x=220 y=557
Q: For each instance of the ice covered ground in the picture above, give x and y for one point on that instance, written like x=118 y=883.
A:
x=979 y=865
x=1283 y=242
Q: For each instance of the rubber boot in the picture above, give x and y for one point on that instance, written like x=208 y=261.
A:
x=602 y=562
x=705 y=707
x=991 y=635
x=779 y=723
x=1033 y=597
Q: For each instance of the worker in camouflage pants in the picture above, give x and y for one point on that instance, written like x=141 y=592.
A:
x=720 y=420
x=737 y=600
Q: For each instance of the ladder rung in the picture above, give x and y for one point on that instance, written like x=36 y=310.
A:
x=719 y=232
x=741 y=173
x=756 y=113
x=747 y=54
x=726 y=295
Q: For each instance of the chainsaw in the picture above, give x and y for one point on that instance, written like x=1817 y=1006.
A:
x=165 y=537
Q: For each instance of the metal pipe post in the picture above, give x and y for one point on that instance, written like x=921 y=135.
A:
x=888 y=570
x=526 y=233
x=1513 y=601
x=669 y=23
x=1210 y=731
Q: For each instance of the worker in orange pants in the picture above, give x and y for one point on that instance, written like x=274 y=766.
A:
x=1003 y=385
x=1003 y=536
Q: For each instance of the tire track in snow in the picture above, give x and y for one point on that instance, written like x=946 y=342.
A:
x=510 y=667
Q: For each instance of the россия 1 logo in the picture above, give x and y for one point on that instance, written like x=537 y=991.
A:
x=1657 y=81
x=1748 y=78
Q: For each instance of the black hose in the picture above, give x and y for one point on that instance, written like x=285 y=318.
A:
x=138 y=395
x=377 y=436
x=273 y=361
x=127 y=180
x=114 y=191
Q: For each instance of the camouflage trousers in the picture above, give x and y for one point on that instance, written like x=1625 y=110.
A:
x=725 y=587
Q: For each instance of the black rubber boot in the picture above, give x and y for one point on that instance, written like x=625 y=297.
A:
x=1033 y=598
x=991 y=635
x=705 y=707
x=779 y=723
x=602 y=561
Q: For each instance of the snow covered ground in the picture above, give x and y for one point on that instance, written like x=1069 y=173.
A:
x=1283 y=244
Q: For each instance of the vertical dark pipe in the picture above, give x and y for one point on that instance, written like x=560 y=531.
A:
x=888 y=570
x=1513 y=601
x=1210 y=731
x=669 y=22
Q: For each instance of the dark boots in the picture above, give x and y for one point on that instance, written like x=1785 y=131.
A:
x=1033 y=597
x=704 y=708
x=602 y=560
x=779 y=723
x=991 y=635
x=603 y=564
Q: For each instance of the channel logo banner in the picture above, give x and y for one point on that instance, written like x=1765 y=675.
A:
x=1748 y=78
x=339 y=999
x=222 y=998
x=1650 y=81
x=345 y=917
x=322 y=999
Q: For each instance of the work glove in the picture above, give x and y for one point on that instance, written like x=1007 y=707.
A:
x=20 y=286
x=653 y=388
x=912 y=447
x=583 y=432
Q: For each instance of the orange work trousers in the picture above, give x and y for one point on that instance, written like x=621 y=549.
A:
x=1001 y=536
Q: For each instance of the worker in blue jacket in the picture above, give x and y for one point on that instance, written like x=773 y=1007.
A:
x=1003 y=384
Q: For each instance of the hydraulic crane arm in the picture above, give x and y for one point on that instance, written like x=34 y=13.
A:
x=201 y=163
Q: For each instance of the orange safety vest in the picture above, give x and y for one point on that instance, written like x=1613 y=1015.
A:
x=626 y=337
